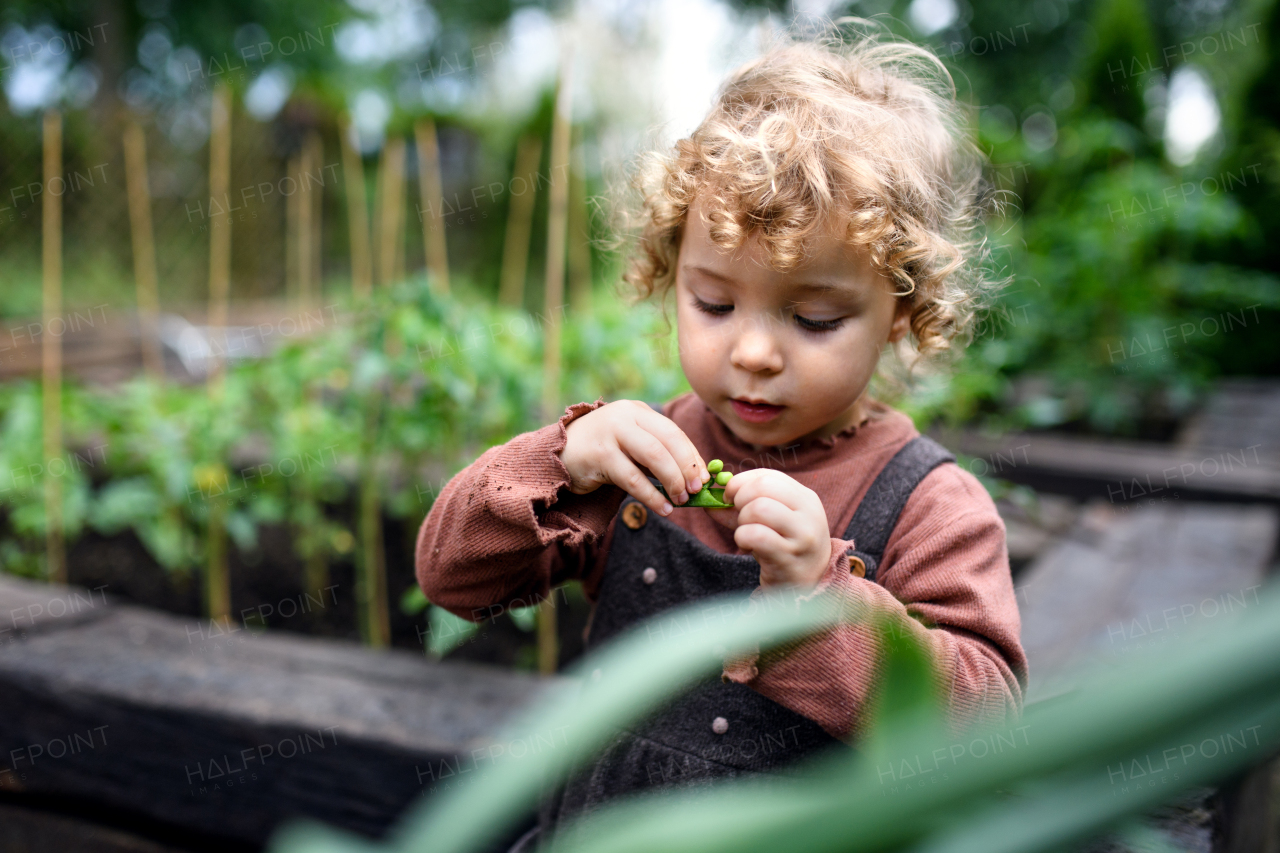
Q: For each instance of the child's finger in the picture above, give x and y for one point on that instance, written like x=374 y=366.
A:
x=724 y=517
x=759 y=540
x=775 y=515
x=764 y=482
x=624 y=474
x=692 y=467
x=745 y=487
x=646 y=449
x=736 y=485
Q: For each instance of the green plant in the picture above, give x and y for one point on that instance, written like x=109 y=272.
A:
x=391 y=394
x=1055 y=786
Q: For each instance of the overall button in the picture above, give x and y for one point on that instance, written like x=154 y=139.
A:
x=634 y=515
x=719 y=725
x=649 y=575
x=857 y=568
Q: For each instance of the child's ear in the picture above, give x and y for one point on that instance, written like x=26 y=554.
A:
x=901 y=319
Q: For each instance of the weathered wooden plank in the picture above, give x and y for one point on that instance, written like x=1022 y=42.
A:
x=1129 y=578
x=1240 y=413
x=1122 y=471
x=24 y=830
x=27 y=607
x=102 y=345
x=230 y=734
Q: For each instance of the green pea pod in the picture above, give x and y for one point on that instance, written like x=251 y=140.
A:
x=707 y=498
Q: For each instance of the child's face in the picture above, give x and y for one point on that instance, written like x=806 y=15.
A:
x=781 y=356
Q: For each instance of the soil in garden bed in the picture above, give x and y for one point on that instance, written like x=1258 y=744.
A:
x=267 y=590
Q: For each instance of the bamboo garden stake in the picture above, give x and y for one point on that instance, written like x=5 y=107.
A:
x=357 y=214
x=317 y=565
x=219 y=235
x=316 y=198
x=391 y=215
x=303 y=202
x=371 y=586
x=579 y=231
x=369 y=511
x=379 y=203
x=371 y=583
x=51 y=344
x=397 y=263
x=144 y=249
x=292 y=288
x=311 y=178
x=557 y=228
x=431 y=192
x=515 y=247
x=217 y=580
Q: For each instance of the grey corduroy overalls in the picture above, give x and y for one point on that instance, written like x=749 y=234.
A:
x=718 y=729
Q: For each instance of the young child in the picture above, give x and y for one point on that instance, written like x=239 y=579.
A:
x=818 y=214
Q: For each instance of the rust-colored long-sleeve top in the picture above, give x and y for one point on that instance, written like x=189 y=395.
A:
x=506 y=530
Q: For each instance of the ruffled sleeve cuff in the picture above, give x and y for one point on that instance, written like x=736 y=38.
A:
x=527 y=485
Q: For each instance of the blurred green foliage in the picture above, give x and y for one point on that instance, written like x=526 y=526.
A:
x=1122 y=263
x=1134 y=282
x=443 y=379
x=1110 y=323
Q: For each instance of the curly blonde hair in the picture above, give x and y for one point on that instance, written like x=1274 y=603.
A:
x=865 y=135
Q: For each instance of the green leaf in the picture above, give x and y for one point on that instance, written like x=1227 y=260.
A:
x=242 y=529
x=446 y=632
x=1035 y=784
x=526 y=618
x=126 y=503
x=412 y=601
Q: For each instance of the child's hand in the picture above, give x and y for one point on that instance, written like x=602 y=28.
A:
x=609 y=444
x=782 y=524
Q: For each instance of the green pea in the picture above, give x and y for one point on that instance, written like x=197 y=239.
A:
x=715 y=466
x=712 y=498
x=723 y=478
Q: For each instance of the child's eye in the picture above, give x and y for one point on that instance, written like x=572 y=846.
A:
x=818 y=325
x=711 y=308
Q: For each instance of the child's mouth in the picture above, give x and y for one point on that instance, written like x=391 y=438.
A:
x=756 y=413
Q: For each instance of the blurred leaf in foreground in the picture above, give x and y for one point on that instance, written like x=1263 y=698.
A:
x=1068 y=770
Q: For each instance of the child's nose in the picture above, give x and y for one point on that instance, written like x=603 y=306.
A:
x=756 y=351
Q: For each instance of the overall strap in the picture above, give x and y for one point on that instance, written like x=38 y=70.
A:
x=878 y=513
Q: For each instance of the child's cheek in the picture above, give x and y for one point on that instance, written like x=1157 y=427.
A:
x=700 y=350
x=859 y=353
